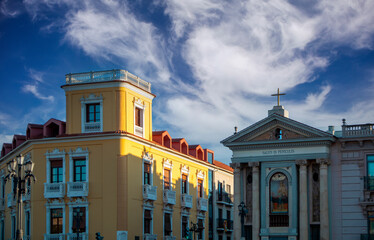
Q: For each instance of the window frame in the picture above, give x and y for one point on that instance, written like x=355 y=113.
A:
x=52 y=156
x=147 y=159
x=91 y=99
x=141 y=106
x=171 y=223
x=188 y=224
x=151 y=220
x=95 y=112
x=71 y=208
x=79 y=153
x=48 y=217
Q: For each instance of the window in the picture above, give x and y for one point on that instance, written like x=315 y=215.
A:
x=228 y=188
x=147 y=221
x=200 y=229
x=200 y=188
x=228 y=215
x=167 y=224
x=138 y=117
x=370 y=173
x=13 y=219
x=371 y=222
x=79 y=219
x=147 y=174
x=93 y=112
x=27 y=223
x=210 y=157
x=278 y=134
x=167 y=179
x=57 y=173
x=184 y=183
x=56 y=221
x=79 y=170
x=278 y=200
x=184 y=226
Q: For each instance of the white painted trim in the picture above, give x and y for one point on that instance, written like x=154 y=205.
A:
x=55 y=205
x=147 y=158
x=109 y=85
x=90 y=100
x=79 y=152
x=185 y=170
x=150 y=209
x=169 y=165
x=55 y=154
x=141 y=105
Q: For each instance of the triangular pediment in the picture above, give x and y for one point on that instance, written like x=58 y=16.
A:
x=268 y=130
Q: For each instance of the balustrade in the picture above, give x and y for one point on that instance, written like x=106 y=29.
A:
x=54 y=190
x=202 y=204
x=60 y=236
x=77 y=189
x=169 y=197
x=150 y=192
x=186 y=201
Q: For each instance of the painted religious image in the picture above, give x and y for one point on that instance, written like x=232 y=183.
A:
x=279 y=193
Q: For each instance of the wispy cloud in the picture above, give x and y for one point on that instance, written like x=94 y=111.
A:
x=34 y=90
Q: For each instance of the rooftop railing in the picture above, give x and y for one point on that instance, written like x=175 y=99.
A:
x=359 y=130
x=105 y=76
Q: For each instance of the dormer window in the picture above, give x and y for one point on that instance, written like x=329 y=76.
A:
x=278 y=134
x=92 y=113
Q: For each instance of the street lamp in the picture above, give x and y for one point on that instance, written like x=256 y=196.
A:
x=194 y=229
x=242 y=212
x=78 y=216
x=19 y=178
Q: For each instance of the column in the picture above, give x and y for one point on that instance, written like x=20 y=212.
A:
x=303 y=200
x=324 y=199
x=237 y=199
x=255 y=200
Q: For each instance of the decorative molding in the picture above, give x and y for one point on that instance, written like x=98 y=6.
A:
x=147 y=156
x=78 y=152
x=200 y=174
x=139 y=103
x=121 y=235
x=167 y=163
x=185 y=169
x=303 y=162
x=323 y=161
x=92 y=97
x=254 y=164
x=55 y=153
x=281 y=170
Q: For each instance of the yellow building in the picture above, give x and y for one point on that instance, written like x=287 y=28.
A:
x=105 y=170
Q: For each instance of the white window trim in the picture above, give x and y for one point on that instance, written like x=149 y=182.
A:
x=147 y=158
x=138 y=104
x=150 y=209
x=79 y=152
x=200 y=175
x=163 y=222
x=167 y=164
x=188 y=223
x=90 y=100
x=76 y=205
x=55 y=154
x=54 y=205
x=186 y=170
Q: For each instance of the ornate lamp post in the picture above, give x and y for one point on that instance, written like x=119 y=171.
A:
x=242 y=212
x=78 y=216
x=20 y=178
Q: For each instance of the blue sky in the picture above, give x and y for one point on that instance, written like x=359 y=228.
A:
x=212 y=63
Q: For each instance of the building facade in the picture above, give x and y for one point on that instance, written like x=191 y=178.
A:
x=105 y=170
x=299 y=182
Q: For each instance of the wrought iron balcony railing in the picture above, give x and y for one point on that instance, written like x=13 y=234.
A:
x=224 y=224
x=225 y=198
x=278 y=220
x=369 y=183
x=105 y=76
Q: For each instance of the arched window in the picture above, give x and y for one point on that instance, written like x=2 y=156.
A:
x=278 y=134
x=279 y=200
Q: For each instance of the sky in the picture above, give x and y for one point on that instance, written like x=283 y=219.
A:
x=213 y=64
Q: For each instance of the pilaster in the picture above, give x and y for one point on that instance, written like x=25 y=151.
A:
x=303 y=211
x=255 y=199
x=237 y=199
x=324 y=197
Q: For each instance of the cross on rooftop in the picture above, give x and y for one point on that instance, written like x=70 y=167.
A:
x=278 y=95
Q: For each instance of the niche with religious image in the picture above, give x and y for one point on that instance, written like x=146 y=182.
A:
x=279 y=194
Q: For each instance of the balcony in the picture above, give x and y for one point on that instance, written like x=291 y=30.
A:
x=92 y=127
x=60 y=236
x=74 y=236
x=27 y=196
x=186 y=201
x=369 y=183
x=2 y=204
x=54 y=190
x=169 y=237
x=278 y=220
x=224 y=225
x=202 y=204
x=26 y=237
x=149 y=192
x=138 y=131
x=105 y=76
x=77 y=189
x=11 y=200
x=150 y=236
x=224 y=198
x=169 y=197
x=360 y=130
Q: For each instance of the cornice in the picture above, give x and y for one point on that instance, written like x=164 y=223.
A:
x=277 y=145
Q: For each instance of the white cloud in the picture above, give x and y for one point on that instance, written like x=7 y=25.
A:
x=34 y=90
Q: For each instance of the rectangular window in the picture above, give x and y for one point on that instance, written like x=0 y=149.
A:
x=184 y=183
x=56 y=220
x=167 y=179
x=167 y=224
x=56 y=171
x=147 y=221
x=228 y=215
x=200 y=229
x=370 y=173
x=200 y=188
x=79 y=219
x=138 y=117
x=79 y=170
x=210 y=157
x=13 y=227
x=184 y=226
x=93 y=112
x=147 y=174
x=2 y=233
x=27 y=223
x=228 y=188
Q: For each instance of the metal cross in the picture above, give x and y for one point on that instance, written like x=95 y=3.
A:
x=278 y=94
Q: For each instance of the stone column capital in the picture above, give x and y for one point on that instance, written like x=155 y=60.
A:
x=253 y=164
x=323 y=161
x=302 y=162
x=235 y=166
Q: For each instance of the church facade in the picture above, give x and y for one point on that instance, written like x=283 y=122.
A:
x=299 y=182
